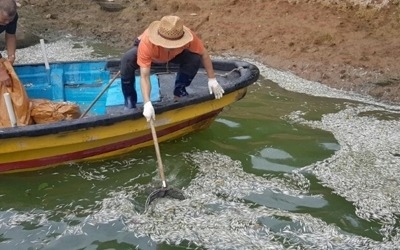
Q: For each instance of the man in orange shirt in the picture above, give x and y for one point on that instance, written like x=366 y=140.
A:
x=167 y=40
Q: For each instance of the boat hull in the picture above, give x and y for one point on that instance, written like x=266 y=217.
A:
x=108 y=129
x=97 y=142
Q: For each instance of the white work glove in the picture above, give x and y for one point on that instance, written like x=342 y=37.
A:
x=148 y=111
x=214 y=87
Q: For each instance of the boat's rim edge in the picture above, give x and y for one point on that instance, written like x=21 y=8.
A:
x=249 y=74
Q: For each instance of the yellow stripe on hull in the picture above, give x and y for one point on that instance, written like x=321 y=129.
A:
x=30 y=153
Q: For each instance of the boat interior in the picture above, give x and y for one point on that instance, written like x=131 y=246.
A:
x=82 y=83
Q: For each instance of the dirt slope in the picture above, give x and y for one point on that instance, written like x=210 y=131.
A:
x=347 y=44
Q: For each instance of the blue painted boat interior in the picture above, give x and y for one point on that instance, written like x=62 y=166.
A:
x=80 y=83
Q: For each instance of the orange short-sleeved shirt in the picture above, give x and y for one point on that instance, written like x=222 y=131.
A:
x=148 y=52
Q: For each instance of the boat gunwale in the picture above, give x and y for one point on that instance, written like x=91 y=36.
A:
x=249 y=74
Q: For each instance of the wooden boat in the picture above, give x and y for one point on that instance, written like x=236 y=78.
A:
x=108 y=129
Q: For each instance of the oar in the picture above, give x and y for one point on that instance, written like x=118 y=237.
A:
x=164 y=191
x=100 y=94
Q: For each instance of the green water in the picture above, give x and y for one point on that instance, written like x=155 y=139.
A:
x=77 y=206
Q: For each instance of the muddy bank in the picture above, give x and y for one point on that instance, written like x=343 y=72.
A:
x=350 y=45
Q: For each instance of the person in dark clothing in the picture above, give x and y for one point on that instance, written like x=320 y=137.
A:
x=8 y=24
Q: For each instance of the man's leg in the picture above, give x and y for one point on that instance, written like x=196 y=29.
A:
x=128 y=67
x=189 y=64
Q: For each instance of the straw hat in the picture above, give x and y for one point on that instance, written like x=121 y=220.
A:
x=169 y=32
